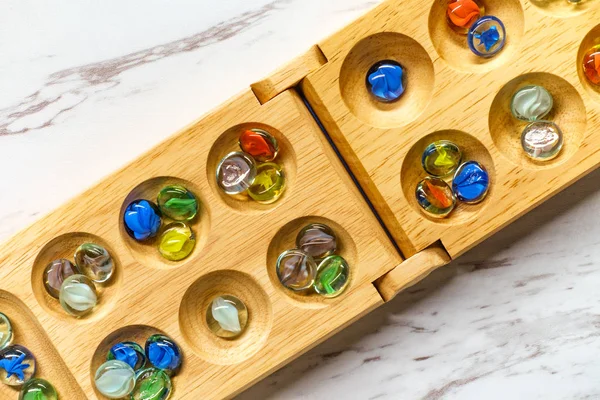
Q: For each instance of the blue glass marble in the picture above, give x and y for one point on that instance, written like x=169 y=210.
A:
x=471 y=182
x=163 y=353
x=130 y=353
x=17 y=365
x=142 y=219
x=487 y=36
x=386 y=81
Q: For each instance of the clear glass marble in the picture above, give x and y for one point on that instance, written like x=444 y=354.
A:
x=236 y=172
x=55 y=274
x=95 y=262
x=296 y=269
x=17 y=365
x=78 y=295
x=318 y=240
x=114 y=379
x=531 y=103
x=542 y=140
x=227 y=316
x=6 y=332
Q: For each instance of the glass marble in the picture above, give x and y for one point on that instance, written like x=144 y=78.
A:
x=542 y=140
x=487 y=36
x=435 y=197
x=178 y=203
x=268 y=185
x=227 y=316
x=332 y=276
x=6 y=332
x=78 y=295
x=38 y=389
x=531 y=103
x=318 y=240
x=95 y=262
x=471 y=182
x=163 y=353
x=461 y=14
x=142 y=219
x=115 y=379
x=386 y=81
x=130 y=353
x=177 y=241
x=55 y=274
x=236 y=172
x=17 y=365
x=296 y=269
x=591 y=65
x=152 y=384
x=260 y=144
x=441 y=158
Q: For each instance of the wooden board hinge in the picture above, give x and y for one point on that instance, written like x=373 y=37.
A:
x=412 y=271
x=289 y=75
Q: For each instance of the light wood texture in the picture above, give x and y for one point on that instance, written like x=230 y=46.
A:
x=455 y=95
x=238 y=242
x=412 y=271
x=289 y=75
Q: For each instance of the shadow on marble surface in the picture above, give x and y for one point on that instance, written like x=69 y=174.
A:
x=381 y=334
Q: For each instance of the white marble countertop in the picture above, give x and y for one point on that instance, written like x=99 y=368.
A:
x=87 y=86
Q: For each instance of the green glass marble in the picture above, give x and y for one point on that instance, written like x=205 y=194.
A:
x=441 y=158
x=269 y=183
x=177 y=241
x=531 y=103
x=151 y=384
x=178 y=203
x=38 y=389
x=435 y=197
x=332 y=276
x=6 y=332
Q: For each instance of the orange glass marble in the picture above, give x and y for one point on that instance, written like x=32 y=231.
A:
x=435 y=197
x=259 y=144
x=591 y=65
x=461 y=14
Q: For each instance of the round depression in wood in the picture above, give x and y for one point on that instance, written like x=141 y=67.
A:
x=418 y=70
x=194 y=306
x=563 y=8
x=590 y=40
x=64 y=246
x=285 y=239
x=412 y=173
x=227 y=143
x=568 y=112
x=453 y=47
x=146 y=252
x=132 y=333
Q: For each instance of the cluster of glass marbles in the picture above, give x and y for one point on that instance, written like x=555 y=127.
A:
x=143 y=220
x=469 y=184
x=252 y=171
x=227 y=316
x=313 y=264
x=74 y=283
x=137 y=373
x=541 y=139
x=486 y=34
x=18 y=367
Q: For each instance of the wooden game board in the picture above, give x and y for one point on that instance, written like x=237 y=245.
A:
x=451 y=95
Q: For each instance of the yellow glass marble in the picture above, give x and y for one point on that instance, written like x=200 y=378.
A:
x=441 y=158
x=177 y=241
x=269 y=183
